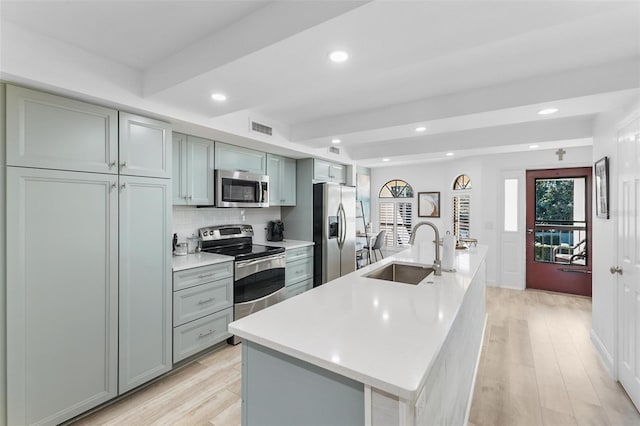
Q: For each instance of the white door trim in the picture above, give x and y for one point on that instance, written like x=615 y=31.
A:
x=512 y=263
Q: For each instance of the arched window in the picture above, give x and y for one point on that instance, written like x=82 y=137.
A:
x=462 y=206
x=396 y=212
x=396 y=189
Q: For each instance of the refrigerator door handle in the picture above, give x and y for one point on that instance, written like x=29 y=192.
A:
x=343 y=225
x=340 y=227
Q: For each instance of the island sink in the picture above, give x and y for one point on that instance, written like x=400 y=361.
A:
x=401 y=273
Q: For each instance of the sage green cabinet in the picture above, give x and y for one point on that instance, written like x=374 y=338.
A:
x=145 y=294
x=193 y=168
x=298 y=271
x=62 y=293
x=231 y=157
x=52 y=132
x=144 y=146
x=282 y=180
x=325 y=171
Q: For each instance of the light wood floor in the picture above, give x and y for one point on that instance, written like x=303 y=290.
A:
x=538 y=367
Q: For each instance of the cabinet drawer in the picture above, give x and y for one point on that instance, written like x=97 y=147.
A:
x=298 y=271
x=196 y=302
x=192 y=337
x=299 y=253
x=298 y=288
x=204 y=274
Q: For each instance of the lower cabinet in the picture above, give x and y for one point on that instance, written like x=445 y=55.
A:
x=299 y=271
x=202 y=308
x=145 y=280
x=62 y=294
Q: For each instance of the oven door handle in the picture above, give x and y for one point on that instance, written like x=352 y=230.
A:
x=251 y=262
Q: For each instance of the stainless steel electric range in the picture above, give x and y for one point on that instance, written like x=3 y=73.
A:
x=258 y=270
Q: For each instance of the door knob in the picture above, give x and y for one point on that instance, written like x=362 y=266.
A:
x=529 y=231
x=615 y=270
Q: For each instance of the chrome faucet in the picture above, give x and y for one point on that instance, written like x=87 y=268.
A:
x=437 y=265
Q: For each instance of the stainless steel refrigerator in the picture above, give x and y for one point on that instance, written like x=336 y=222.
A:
x=334 y=231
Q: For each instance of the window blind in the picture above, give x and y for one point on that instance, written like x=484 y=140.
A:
x=396 y=220
x=462 y=215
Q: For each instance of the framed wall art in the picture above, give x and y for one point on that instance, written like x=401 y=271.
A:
x=428 y=204
x=602 y=187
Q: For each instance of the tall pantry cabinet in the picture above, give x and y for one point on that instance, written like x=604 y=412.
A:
x=88 y=291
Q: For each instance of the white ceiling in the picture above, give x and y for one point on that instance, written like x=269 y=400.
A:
x=475 y=73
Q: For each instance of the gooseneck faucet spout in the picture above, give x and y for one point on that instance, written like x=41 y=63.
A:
x=437 y=265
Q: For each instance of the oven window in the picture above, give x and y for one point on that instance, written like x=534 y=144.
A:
x=258 y=285
x=237 y=190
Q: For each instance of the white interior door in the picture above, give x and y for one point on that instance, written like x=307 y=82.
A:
x=629 y=260
x=512 y=230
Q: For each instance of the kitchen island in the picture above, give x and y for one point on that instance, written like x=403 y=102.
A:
x=359 y=350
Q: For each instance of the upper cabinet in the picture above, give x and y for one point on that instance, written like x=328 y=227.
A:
x=52 y=132
x=231 y=157
x=325 y=171
x=193 y=168
x=282 y=180
x=144 y=147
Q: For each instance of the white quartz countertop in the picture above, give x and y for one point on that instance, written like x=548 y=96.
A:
x=286 y=243
x=377 y=332
x=196 y=260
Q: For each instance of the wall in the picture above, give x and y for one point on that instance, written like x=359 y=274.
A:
x=187 y=219
x=604 y=308
x=3 y=269
x=486 y=196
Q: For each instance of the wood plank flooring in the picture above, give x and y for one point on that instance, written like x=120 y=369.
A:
x=538 y=367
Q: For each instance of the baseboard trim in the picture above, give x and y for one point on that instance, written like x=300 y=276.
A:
x=475 y=372
x=605 y=356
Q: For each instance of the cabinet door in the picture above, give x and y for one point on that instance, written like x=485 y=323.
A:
x=275 y=170
x=179 y=169
x=145 y=280
x=53 y=132
x=62 y=293
x=321 y=171
x=338 y=173
x=144 y=146
x=231 y=157
x=289 y=178
x=200 y=171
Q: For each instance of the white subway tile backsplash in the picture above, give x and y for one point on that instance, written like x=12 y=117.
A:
x=187 y=219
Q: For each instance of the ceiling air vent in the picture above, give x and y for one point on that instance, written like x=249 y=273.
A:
x=334 y=150
x=261 y=128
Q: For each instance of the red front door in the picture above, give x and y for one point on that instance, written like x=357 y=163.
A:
x=559 y=230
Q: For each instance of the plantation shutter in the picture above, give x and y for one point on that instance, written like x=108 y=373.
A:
x=387 y=221
x=403 y=223
x=462 y=215
x=396 y=220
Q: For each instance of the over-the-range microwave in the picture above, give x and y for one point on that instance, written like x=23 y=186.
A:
x=241 y=189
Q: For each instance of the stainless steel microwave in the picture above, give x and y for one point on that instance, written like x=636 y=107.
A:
x=240 y=189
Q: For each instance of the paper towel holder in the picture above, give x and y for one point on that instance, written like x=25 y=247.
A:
x=443 y=254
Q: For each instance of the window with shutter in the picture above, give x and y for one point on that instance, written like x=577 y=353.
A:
x=461 y=208
x=396 y=216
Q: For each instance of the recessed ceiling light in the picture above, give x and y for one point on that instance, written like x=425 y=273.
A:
x=548 y=111
x=385 y=159
x=338 y=56
x=449 y=154
x=534 y=146
x=421 y=129
x=219 y=97
x=335 y=141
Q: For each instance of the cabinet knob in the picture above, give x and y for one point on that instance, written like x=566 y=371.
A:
x=112 y=164
x=123 y=186
x=123 y=164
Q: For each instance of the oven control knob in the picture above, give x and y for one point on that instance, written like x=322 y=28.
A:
x=204 y=233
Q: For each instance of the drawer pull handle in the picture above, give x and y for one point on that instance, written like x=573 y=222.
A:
x=205 y=275
x=202 y=302
x=201 y=335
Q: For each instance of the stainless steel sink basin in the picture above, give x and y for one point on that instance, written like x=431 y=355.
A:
x=401 y=273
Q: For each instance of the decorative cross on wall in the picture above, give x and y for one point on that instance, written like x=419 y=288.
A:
x=560 y=153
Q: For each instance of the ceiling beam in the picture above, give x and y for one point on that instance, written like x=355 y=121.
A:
x=268 y=25
x=611 y=77
x=507 y=135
